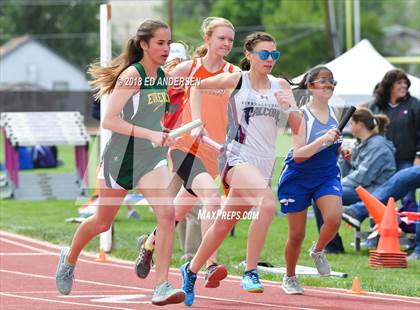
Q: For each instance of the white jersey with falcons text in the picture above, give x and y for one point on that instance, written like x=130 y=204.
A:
x=254 y=119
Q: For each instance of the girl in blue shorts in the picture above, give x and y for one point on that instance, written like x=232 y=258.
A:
x=311 y=172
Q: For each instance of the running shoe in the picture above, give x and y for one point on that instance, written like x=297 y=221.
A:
x=321 y=262
x=290 y=286
x=214 y=274
x=251 y=282
x=165 y=294
x=64 y=276
x=188 y=282
x=144 y=260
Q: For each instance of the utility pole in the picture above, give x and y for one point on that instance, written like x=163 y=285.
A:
x=171 y=14
x=356 y=26
x=349 y=32
x=331 y=50
x=331 y=28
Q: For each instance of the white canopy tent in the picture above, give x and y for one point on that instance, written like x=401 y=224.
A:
x=358 y=71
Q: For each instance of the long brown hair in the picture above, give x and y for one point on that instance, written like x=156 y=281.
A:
x=104 y=78
x=382 y=90
x=249 y=44
x=376 y=123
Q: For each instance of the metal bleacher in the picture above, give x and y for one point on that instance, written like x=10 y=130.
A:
x=45 y=128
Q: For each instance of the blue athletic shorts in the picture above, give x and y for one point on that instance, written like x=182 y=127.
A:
x=295 y=193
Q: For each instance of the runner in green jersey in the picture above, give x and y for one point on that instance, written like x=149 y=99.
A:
x=137 y=101
x=127 y=158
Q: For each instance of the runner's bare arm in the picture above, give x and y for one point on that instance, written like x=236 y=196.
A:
x=287 y=102
x=223 y=81
x=181 y=70
x=126 y=86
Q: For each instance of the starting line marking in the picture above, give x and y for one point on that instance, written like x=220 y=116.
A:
x=115 y=299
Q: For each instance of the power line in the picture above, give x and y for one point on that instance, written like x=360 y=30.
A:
x=279 y=27
x=49 y=2
x=59 y=2
x=54 y=36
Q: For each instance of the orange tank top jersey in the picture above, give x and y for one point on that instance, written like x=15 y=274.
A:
x=213 y=114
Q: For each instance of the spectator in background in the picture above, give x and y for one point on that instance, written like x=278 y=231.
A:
x=397 y=186
x=393 y=99
x=372 y=161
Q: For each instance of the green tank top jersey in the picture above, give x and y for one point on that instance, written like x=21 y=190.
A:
x=126 y=158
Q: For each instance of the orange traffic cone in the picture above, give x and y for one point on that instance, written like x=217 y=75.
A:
x=356 y=288
x=389 y=241
x=375 y=207
x=388 y=253
x=102 y=256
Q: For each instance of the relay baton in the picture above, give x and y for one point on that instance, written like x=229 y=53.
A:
x=183 y=129
x=346 y=117
x=343 y=122
x=212 y=143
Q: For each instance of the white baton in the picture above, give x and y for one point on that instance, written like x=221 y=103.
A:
x=183 y=129
x=212 y=143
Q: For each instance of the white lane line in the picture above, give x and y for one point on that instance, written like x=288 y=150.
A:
x=123 y=296
x=76 y=280
x=116 y=298
x=231 y=278
x=413 y=300
x=73 y=292
x=24 y=254
x=27 y=246
x=261 y=304
x=65 y=302
x=131 y=299
x=151 y=290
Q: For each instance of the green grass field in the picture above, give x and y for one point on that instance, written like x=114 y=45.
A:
x=44 y=220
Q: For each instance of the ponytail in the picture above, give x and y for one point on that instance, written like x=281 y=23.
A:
x=301 y=92
x=245 y=65
x=201 y=51
x=382 y=122
x=105 y=78
x=376 y=123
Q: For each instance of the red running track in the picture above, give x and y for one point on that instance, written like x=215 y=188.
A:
x=27 y=281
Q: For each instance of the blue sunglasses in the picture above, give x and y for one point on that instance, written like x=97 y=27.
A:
x=265 y=54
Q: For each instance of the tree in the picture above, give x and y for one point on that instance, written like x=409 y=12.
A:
x=299 y=28
x=70 y=29
x=246 y=17
x=188 y=16
x=297 y=25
